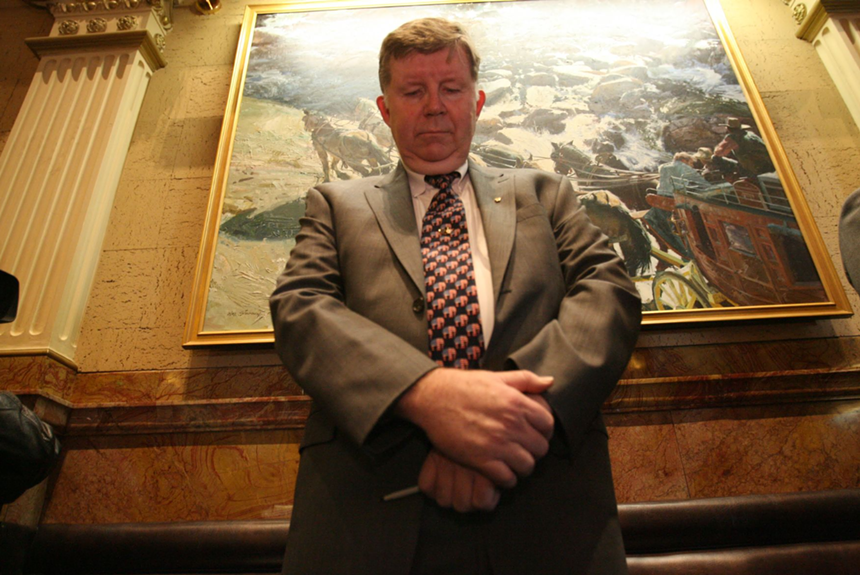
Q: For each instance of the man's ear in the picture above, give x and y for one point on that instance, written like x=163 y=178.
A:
x=481 y=99
x=383 y=109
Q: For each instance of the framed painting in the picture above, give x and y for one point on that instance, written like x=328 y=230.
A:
x=656 y=121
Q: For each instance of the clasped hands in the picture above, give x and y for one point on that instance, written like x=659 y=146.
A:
x=487 y=429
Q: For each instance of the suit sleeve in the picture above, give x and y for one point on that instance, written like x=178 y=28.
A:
x=849 y=238
x=354 y=368
x=587 y=347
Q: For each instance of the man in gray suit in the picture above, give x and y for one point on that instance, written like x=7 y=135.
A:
x=510 y=455
x=849 y=237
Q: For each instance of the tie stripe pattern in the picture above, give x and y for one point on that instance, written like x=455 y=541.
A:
x=453 y=315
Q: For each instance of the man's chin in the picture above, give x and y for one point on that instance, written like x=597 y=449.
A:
x=431 y=165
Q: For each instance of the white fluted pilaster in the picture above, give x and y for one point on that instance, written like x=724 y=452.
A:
x=833 y=28
x=60 y=167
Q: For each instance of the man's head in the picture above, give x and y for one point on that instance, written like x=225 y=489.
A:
x=425 y=36
x=685 y=158
x=735 y=125
x=427 y=71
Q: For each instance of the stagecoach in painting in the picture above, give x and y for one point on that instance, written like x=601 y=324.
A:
x=590 y=174
x=743 y=247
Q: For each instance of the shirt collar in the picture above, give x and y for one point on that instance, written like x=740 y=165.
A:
x=418 y=186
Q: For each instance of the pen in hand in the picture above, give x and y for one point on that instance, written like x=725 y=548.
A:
x=400 y=494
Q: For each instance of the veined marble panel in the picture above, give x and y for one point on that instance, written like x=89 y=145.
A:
x=738 y=359
x=36 y=374
x=175 y=477
x=658 y=379
x=276 y=413
x=646 y=461
x=186 y=385
x=771 y=449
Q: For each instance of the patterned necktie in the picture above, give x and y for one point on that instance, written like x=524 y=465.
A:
x=453 y=316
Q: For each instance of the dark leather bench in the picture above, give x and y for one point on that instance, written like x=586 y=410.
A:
x=814 y=533
x=807 y=533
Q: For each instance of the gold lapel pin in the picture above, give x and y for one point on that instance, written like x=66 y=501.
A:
x=497 y=199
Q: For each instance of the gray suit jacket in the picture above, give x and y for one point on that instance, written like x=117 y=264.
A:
x=849 y=238
x=350 y=326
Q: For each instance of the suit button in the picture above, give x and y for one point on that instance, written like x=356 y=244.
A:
x=418 y=305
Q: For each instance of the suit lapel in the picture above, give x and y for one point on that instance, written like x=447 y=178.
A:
x=391 y=202
x=496 y=201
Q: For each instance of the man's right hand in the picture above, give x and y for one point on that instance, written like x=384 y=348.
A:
x=483 y=419
x=450 y=484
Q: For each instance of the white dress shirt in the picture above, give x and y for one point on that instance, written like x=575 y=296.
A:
x=422 y=195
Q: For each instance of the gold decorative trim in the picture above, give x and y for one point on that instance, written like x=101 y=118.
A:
x=69 y=27
x=799 y=13
x=135 y=39
x=96 y=25
x=207 y=7
x=58 y=8
x=160 y=42
x=837 y=305
x=164 y=11
x=126 y=23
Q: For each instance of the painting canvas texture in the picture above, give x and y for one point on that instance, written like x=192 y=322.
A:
x=635 y=101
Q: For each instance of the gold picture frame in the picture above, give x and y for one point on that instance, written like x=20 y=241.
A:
x=587 y=100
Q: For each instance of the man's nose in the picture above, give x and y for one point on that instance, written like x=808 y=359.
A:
x=433 y=104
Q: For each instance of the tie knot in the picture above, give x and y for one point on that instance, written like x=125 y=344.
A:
x=442 y=181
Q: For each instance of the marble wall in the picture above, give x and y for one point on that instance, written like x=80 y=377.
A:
x=155 y=432
x=656 y=456
x=175 y=477
x=147 y=453
x=735 y=451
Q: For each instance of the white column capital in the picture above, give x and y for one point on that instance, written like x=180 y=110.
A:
x=812 y=15
x=63 y=9
x=106 y=24
x=833 y=29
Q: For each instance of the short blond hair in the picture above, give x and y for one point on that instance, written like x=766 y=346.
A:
x=684 y=157
x=425 y=36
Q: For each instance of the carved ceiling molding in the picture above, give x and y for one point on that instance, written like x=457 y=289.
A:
x=102 y=24
x=62 y=8
x=64 y=11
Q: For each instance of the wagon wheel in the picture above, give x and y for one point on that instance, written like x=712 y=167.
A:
x=672 y=291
